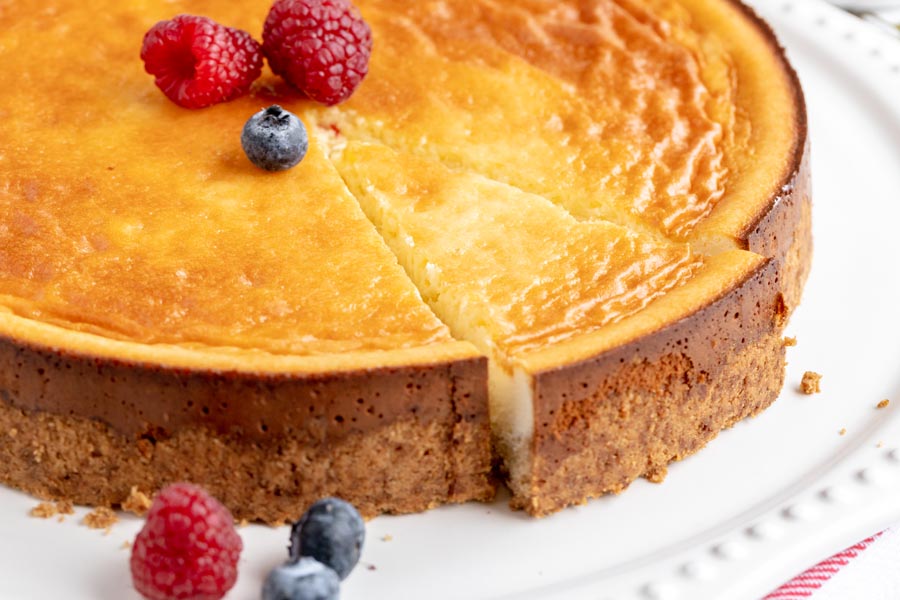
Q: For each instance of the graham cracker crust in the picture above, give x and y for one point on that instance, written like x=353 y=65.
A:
x=648 y=416
x=403 y=467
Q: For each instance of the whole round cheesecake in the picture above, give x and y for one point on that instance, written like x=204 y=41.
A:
x=567 y=235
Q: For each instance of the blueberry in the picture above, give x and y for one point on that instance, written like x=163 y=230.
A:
x=305 y=579
x=332 y=532
x=274 y=139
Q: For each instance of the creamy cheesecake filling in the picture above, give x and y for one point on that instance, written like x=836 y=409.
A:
x=508 y=271
x=512 y=422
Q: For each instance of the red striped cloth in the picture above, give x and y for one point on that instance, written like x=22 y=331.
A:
x=806 y=584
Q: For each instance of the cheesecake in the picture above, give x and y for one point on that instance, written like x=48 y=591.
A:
x=551 y=242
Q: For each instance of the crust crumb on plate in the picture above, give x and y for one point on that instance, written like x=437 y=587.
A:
x=45 y=510
x=100 y=518
x=137 y=502
x=843 y=431
x=883 y=403
x=810 y=383
x=789 y=341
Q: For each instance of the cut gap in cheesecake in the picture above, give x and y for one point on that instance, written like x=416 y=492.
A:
x=337 y=128
x=508 y=271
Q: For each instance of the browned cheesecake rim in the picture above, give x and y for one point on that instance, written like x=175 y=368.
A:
x=578 y=348
x=41 y=336
x=148 y=399
x=800 y=151
x=797 y=154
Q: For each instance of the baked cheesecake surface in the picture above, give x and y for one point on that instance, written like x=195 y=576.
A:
x=507 y=269
x=625 y=111
x=130 y=218
x=575 y=227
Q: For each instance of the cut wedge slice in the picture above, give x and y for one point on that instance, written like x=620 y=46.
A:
x=534 y=289
x=506 y=268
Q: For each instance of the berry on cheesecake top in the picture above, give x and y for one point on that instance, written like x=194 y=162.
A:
x=198 y=63
x=274 y=139
x=321 y=47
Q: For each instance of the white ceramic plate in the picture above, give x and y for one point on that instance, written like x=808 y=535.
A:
x=762 y=502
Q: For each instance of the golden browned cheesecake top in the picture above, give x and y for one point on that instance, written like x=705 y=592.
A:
x=505 y=269
x=667 y=117
x=602 y=108
x=126 y=216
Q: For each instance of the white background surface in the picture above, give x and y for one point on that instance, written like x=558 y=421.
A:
x=765 y=500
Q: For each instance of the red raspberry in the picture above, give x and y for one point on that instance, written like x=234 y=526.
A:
x=198 y=63
x=188 y=548
x=321 y=47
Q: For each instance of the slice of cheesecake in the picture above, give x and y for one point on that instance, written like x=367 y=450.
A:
x=539 y=292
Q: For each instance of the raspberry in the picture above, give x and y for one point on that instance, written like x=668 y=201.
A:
x=198 y=63
x=321 y=47
x=188 y=548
